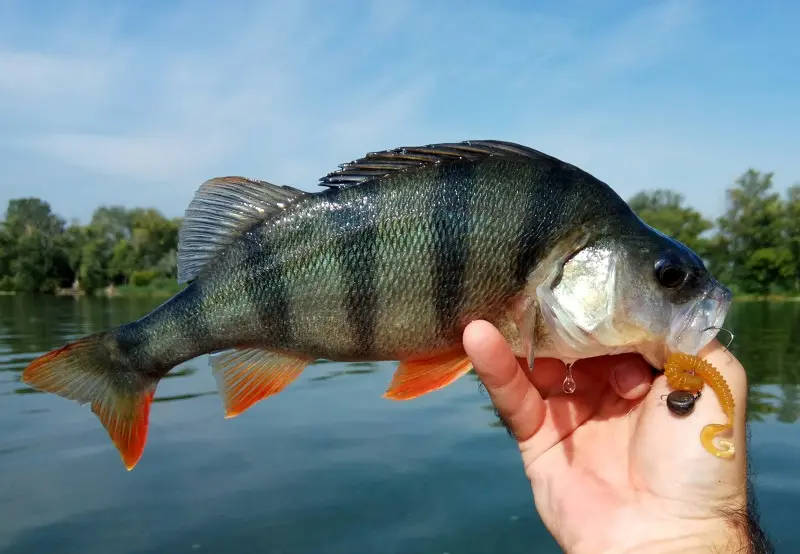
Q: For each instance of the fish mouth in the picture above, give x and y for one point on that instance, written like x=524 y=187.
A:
x=696 y=324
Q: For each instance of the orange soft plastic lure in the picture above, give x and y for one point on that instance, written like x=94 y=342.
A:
x=689 y=373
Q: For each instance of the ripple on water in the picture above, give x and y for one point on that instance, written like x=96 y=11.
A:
x=326 y=466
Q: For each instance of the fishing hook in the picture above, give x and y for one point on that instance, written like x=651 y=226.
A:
x=730 y=333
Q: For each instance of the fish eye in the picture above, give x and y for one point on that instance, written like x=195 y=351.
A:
x=670 y=273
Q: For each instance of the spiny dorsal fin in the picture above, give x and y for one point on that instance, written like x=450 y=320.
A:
x=380 y=164
x=222 y=209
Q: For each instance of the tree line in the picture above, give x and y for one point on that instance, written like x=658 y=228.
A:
x=41 y=253
x=754 y=247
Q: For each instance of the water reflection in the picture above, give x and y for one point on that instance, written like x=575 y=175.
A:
x=766 y=341
x=356 y=368
x=187 y=396
x=182 y=372
x=333 y=446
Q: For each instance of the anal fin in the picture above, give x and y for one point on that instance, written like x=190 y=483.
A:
x=246 y=376
x=419 y=376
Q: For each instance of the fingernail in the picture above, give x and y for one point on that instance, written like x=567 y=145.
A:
x=628 y=375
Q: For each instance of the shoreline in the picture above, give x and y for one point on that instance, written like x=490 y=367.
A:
x=765 y=298
x=124 y=291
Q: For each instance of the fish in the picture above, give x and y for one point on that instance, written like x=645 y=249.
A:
x=390 y=259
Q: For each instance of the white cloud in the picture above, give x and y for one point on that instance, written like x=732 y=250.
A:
x=287 y=91
x=153 y=157
x=25 y=74
x=643 y=39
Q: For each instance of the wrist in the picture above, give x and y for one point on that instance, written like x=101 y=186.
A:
x=711 y=541
x=735 y=531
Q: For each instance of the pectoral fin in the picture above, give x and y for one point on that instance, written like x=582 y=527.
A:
x=414 y=378
x=527 y=329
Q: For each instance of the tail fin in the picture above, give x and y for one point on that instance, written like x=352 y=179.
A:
x=92 y=371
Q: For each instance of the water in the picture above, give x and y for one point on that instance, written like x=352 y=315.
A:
x=326 y=466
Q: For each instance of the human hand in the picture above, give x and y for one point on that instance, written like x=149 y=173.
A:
x=612 y=469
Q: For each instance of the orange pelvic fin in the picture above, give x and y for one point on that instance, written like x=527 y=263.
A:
x=83 y=371
x=419 y=376
x=248 y=375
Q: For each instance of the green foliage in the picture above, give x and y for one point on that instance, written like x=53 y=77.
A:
x=754 y=247
x=39 y=253
x=143 y=278
x=664 y=210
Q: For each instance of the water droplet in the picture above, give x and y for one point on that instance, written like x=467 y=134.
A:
x=569 y=382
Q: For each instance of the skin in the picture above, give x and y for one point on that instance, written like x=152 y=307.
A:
x=612 y=470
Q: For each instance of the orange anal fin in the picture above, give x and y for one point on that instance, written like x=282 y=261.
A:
x=248 y=375
x=416 y=377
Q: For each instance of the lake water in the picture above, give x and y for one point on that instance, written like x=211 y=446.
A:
x=326 y=466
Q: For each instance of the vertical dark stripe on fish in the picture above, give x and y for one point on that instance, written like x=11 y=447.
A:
x=552 y=201
x=529 y=234
x=542 y=197
x=267 y=294
x=353 y=222
x=450 y=221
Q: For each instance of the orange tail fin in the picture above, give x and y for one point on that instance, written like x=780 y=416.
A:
x=85 y=371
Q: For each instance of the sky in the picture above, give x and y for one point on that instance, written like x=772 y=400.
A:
x=138 y=103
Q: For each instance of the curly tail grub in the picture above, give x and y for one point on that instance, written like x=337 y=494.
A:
x=689 y=373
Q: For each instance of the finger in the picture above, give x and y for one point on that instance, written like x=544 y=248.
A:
x=630 y=376
x=517 y=401
x=547 y=376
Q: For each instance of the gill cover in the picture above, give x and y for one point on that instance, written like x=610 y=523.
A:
x=578 y=301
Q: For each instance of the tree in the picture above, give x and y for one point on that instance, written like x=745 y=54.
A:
x=23 y=215
x=93 y=274
x=111 y=222
x=753 y=229
x=665 y=211
x=32 y=256
x=793 y=233
x=71 y=242
x=6 y=257
x=153 y=236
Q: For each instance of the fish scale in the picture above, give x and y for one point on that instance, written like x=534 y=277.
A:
x=391 y=260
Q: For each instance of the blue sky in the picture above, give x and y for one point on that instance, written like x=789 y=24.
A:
x=137 y=103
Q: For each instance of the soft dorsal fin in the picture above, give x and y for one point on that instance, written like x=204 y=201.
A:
x=222 y=209
x=380 y=164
